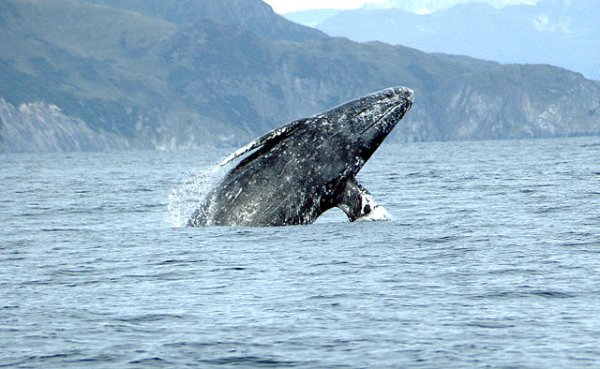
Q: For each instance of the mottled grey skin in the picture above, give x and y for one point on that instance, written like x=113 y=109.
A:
x=307 y=167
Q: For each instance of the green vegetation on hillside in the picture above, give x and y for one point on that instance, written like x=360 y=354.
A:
x=188 y=73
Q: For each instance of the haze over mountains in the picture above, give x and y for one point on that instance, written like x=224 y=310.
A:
x=102 y=74
x=432 y=6
x=313 y=17
x=565 y=33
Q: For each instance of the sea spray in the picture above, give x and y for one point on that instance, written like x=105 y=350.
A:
x=188 y=196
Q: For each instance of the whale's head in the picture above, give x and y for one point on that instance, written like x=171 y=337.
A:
x=364 y=123
x=343 y=138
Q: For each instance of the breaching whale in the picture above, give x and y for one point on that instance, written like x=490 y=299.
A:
x=299 y=171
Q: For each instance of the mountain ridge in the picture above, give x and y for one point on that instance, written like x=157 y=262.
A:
x=202 y=82
x=556 y=32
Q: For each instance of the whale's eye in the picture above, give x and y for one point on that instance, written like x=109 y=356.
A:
x=367 y=209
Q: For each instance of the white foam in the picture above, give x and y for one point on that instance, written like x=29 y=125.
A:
x=377 y=214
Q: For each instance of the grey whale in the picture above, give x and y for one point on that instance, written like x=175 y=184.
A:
x=299 y=171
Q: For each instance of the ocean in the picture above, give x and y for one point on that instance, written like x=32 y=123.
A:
x=491 y=260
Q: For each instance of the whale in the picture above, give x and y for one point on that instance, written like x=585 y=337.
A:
x=293 y=174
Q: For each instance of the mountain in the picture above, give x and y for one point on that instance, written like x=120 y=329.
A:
x=565 y=33
x=253 y=16
x=177 y=74
x=313 y=17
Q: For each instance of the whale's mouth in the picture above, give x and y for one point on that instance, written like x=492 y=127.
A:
x=397 y=105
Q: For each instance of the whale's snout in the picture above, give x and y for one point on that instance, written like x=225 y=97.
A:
x=401 y=94
x=386 y=109
x=408 y=94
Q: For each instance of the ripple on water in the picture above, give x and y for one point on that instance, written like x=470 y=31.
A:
x=489 y=261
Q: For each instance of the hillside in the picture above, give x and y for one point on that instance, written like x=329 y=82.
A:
x=39 y=128
x=176 y=74
x=253 y=16
x=565 y=33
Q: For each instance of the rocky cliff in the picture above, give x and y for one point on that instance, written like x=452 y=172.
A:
x=39 y=127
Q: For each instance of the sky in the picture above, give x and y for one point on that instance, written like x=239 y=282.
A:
x=287 y=6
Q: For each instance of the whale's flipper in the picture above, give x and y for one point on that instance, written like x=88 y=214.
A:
x=275 y=135
x=358 y=204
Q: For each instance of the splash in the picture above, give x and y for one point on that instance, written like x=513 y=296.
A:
x=188 y=196
x=379 y=213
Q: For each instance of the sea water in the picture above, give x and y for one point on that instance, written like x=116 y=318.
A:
x=491 y=259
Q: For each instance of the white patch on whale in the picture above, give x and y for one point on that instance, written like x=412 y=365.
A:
x=377 y=212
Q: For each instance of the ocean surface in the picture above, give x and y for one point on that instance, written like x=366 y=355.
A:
x=491 y=260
